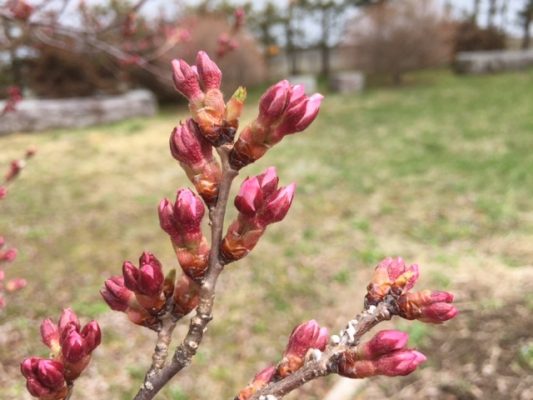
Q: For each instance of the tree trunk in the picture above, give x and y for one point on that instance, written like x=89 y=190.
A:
x=290 y=48
x=526 y=39
x=325 y=53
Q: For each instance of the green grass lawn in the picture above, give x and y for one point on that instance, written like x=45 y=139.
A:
x=439 y=172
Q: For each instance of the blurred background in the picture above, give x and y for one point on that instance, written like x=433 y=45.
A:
x=423 y=149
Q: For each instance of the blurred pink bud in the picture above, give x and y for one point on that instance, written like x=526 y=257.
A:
x=115 y=294
x=67 y=316
x=92 y=336
x=2 y=301
x=240 y=16
x=188 y=146
x=30 y=152
x=147 y=279
x=16 y=284
x=186 y=80
x=274 y=102
x=278 y=205
x=383 y=342
x=71 y=342
x=14 y=169
x=8 y=255
x=401 y=362
x=3 y=192
x=209 y=73
x=308 y=335
x=49 y=333
x=427 y=306
x=44 y=377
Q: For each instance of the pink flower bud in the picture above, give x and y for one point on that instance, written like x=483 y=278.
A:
x=383 y=342
x=188 y=210
x=72 y=346
x=300 y=113
x=115 y=294
x=186 y=80
x=49 y=333
x=8 y=255
x=250 y=197
x=92 y=336
x=401 y=362
x=427 y=306
x=16 y=284
x=68 y=316
x=189 y=147
x=44 y=377
x=14 y=169
x=3 y=192
x=274 y=102
x=209 y=73
x=167 y=220
x=148 y=279
x=278 y=205
x=308 y=335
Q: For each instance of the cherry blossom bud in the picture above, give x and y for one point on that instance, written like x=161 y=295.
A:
x=8 y=255
x=72 y=346
x=274 y=101
x=399 y=362
x=116 y=295
x=167 y=220
x=186 y=81
x=67 y=317
x=427 y=306
x=304 y=337
x=14 y=169
x=383 y=342
x=189 y=147
x=209 y=73
x=16 y=284
x=92 y=336
x=188 y=210
x=44 y=378
x=3 y=192
x=250 y=197
x=260 y=381
x=278 y=205
x=147 y=279
x=50 y=334
x=391 y=274
x=240 y=16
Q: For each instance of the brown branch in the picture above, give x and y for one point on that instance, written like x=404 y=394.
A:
x=327 y=362
x=187 y=349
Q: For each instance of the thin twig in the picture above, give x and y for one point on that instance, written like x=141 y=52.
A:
x=187 y=349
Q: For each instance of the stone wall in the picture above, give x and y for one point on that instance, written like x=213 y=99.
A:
x=38 y=115
x=483 y=62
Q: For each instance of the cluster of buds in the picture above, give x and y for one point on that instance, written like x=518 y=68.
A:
x=195 y=155
x=260 y=202
x=200 y=84
x=392 y=277
x=12 y=285
x=142 y=293
x=385 y=354
x=70 y=346
x=283 y=110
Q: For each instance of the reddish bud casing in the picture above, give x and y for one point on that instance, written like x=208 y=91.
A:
x=427 y=306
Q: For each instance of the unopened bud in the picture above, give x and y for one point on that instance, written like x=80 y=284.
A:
x=186 y=80
x=8 y=255
x=209 y=73
x=147 y=279
x=67 y=317
x=189 y=147
x=16 y=284
x=44 y=378
x=50 y=334
x=278 y=205
x=116 y=295
x=427 y=306
x=391 y=274
x=383 y=342
x=92 y=336
x=260 y=381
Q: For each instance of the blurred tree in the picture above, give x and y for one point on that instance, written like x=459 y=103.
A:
x=526 y=16
x=330 y=14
